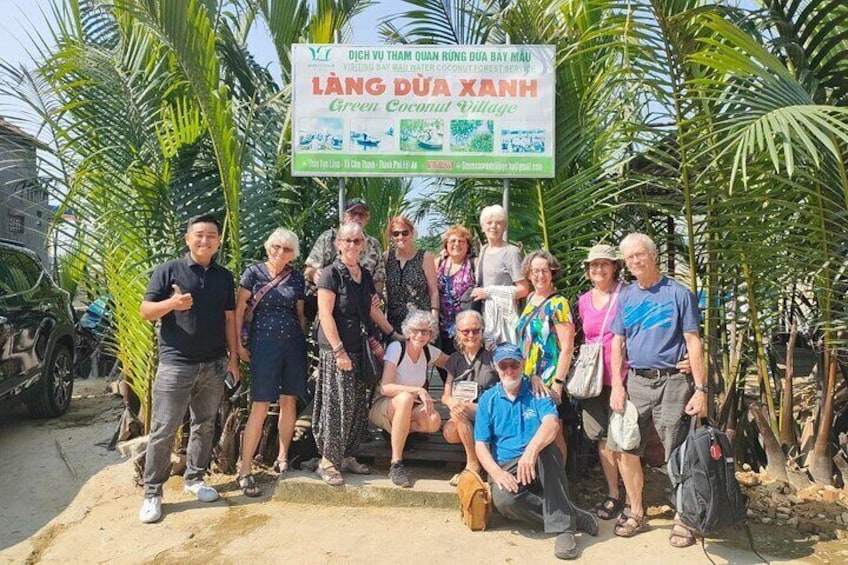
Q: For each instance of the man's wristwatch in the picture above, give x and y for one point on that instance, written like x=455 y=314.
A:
x=701 y=388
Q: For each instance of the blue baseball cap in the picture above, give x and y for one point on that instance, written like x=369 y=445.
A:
x=507 y=351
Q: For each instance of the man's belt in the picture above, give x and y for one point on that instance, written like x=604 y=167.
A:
x=655 y=373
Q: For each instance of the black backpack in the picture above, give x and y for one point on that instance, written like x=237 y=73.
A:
x=704 y=490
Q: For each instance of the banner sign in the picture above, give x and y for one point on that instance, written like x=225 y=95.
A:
x=470 y=111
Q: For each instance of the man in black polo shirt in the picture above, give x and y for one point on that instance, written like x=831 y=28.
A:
x=193 y=297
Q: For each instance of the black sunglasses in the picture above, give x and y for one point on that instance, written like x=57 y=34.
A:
x=397 y=233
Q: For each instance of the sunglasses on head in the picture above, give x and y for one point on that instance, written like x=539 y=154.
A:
x=398 y=233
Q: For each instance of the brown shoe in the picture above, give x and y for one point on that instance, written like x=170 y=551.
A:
x=629 y=525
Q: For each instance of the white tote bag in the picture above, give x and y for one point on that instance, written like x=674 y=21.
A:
x=587 y=377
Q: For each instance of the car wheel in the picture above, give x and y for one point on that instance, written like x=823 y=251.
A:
x=53 y=393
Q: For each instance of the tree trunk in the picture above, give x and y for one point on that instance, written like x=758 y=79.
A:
x=776 y=467
x=820 y=463
x=787 y=420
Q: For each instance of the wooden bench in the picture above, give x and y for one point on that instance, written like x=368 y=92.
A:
x=432 y=450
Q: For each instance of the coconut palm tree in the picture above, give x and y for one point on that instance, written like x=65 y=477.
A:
x=684 y=119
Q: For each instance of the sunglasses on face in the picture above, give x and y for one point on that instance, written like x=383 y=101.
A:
x=509 y=365
x=470 y=331
x=399 y=233
x=356 y=241
x=283 y=248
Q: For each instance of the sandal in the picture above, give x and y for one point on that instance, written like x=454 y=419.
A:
x=330 y=475
x=609 y=508
x=351 y=465
x=680 y=535
x=280 y=467
x=629 y=525
x=247 y=484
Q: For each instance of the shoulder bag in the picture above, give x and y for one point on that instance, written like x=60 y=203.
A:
x=371 y=366
x=475 y=500
x=247 y=321
x=587 y=377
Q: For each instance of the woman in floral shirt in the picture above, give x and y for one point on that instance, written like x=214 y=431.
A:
x=546 y=331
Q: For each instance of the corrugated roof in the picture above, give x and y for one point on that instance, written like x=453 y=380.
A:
x=17 y=132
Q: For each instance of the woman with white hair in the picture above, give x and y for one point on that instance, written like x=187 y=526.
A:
x=404 y=405
x=273 y=292
x=471 y=372
x=500 y=280
x=346 y=303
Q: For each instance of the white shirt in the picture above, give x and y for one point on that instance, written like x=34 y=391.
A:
x=410 y=373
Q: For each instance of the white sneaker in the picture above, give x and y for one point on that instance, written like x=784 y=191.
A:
x=204 y=492
x=151 y=510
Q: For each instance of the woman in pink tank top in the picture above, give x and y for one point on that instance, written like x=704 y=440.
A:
x=597 y=308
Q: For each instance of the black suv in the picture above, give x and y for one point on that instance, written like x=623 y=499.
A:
x=37 y=340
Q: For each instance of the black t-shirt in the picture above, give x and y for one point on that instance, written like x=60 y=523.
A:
x=198 y=334
x=345 y=310
x=481 y=370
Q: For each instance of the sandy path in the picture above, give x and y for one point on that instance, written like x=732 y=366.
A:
x=50 y=516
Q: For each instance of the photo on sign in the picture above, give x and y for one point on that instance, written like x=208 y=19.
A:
x=372 y=136
x=519 y=138
x=320 y=134
x=422 y=135
x=472 y=136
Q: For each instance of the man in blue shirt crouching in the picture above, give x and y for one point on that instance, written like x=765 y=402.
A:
x=514 y=434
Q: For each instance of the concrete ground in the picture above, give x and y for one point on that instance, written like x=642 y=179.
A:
x=65 y=500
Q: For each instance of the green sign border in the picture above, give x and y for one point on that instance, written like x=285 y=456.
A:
x=428 y=165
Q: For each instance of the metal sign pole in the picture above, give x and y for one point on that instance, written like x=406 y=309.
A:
x=337 y=37
x=505 y=204
x=506 y=207
x=341 y=199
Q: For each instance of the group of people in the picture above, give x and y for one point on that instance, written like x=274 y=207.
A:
x=504 y=366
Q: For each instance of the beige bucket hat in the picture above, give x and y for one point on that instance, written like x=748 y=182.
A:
x=602 y=251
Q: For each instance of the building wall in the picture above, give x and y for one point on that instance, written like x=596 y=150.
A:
x=24 y=215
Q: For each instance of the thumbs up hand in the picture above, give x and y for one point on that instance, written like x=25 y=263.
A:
x=181 y=301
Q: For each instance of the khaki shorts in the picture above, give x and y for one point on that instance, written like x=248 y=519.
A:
x=379 y=413
x=661 y=401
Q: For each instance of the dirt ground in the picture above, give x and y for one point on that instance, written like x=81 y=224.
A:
x=64 y=499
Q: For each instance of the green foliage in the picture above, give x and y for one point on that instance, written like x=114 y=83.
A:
x=719 y=131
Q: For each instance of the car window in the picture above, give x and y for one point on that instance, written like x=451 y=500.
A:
x=18 y=273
